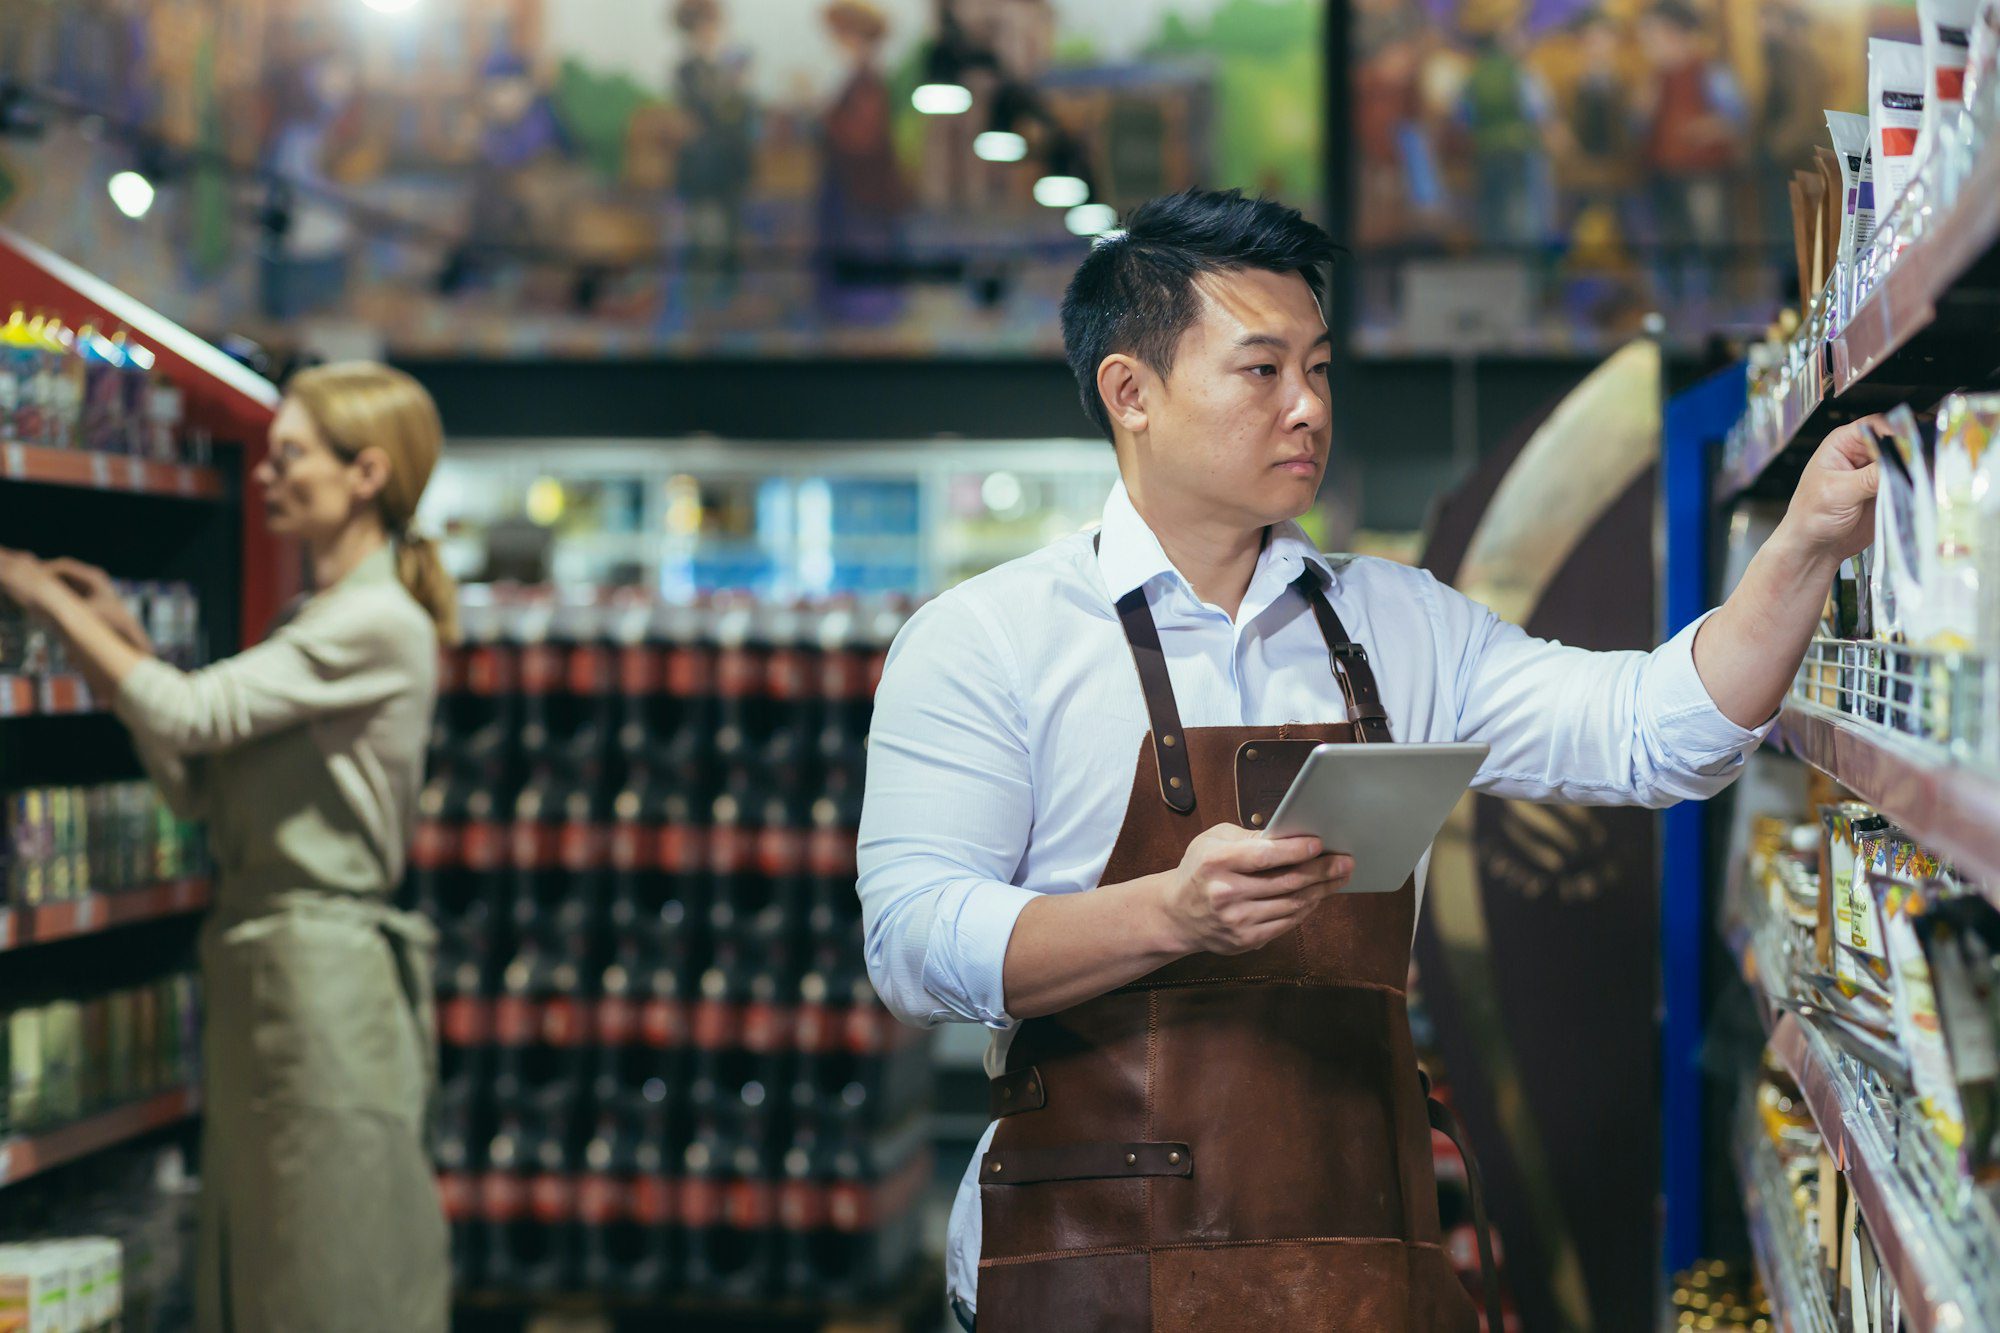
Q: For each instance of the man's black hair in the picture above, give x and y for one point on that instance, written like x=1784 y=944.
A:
x=1135 y=292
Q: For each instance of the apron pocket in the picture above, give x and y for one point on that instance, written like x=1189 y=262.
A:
x=1305 y=1286
x=330 y=1026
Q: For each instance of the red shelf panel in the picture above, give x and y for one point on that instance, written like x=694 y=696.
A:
x=108 y=472
x=49 y=696
x=98 y=912
x=1947 y=807
x=31 y=1154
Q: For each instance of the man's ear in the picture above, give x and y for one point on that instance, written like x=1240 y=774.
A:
x=1123 y=383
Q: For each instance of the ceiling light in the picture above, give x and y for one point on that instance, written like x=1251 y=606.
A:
x=1000 y=146
x=1061 y=191
x=942 y=99
x=132 y=193
x=1091 y=219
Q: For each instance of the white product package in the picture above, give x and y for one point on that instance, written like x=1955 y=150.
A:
x=1946 y=29
x=1895 y=116
x=1857 y=210
x=1905 y=532
x=1983 y=58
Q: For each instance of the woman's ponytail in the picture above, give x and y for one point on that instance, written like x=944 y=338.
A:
x=423 y=573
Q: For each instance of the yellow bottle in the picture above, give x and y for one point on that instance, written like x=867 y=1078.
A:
x=13 y=380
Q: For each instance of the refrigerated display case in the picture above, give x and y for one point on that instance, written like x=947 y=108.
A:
x=688 y=517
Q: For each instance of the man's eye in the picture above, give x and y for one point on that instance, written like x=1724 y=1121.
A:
x=1263 y=370
x=1322 y=368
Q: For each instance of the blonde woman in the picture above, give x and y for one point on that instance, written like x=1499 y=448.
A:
x=304 y=754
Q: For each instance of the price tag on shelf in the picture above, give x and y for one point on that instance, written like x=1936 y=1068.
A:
x=184 y=478
x=89 y=911
x=6 y=1162
x=17 y=461
x=11 y=688
x=100 y=470
x=135 y=473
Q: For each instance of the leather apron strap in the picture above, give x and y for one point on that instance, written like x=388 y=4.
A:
x=1348 y=659
x=1446 y=1123
x=1350 y=666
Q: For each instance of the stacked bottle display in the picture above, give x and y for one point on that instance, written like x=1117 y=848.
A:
x=71 y=1056
x=60 y=844
x=88 y=388
x=169 y=611
x=663 y=1067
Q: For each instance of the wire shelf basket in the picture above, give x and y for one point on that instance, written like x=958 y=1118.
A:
x=1931 y=696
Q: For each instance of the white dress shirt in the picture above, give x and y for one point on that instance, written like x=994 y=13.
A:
x=1009 y=717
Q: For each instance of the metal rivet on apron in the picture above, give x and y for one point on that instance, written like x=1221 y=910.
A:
x=1173 y=1159
x=1006 y=1092
x=1257 y=819
x=1249 y=754
x=1167 y=741
x=996 y=1168
x=1131 y=1159
x=1175 y=783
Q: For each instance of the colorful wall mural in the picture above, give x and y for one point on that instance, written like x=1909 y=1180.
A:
x=1538 y=175
x=523 y=177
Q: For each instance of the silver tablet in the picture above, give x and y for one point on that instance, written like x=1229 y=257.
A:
x=1380 y=804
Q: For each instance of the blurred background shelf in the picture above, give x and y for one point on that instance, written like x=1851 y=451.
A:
x=27 y=1155
x=23 y=927
x=93 y=470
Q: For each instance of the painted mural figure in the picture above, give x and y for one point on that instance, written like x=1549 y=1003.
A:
x=862 y=195
x=1694 y=127
x=716 y=161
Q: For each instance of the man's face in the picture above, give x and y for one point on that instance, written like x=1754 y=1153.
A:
x=1243 y=423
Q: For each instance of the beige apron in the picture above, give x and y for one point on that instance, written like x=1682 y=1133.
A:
x=319 y=1209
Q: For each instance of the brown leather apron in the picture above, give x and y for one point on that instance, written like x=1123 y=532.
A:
x=1229 y=1144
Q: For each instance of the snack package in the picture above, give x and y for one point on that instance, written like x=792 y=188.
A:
x=1801 y=236
x=1902 y=901
x=1968 y=483
x=1857 y=176
x=1945 y=27
x=1960 y=939
x=1833 y=207
x=1964 y=430
x=1982 y=97
x=1842 y=829
x=1896 y=84
x=1905 y=531
x=1878 y=853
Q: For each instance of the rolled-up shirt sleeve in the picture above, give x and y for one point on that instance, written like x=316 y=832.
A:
x=946 y=819
x=1590 y=728
x=329 y=659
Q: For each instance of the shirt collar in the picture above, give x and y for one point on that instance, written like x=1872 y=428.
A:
x=1129 y=555
x=378 y=566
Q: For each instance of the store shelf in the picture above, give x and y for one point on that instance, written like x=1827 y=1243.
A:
x=46 y=696
x=1805 y=412
x=1907 y=301
x=1748 y=966
x=108 y=472
x=1949 y=807
x=1946 y=1267
x=1925 y=330
x=24 y=927
x=28 y=1155
x=1798 y=1300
